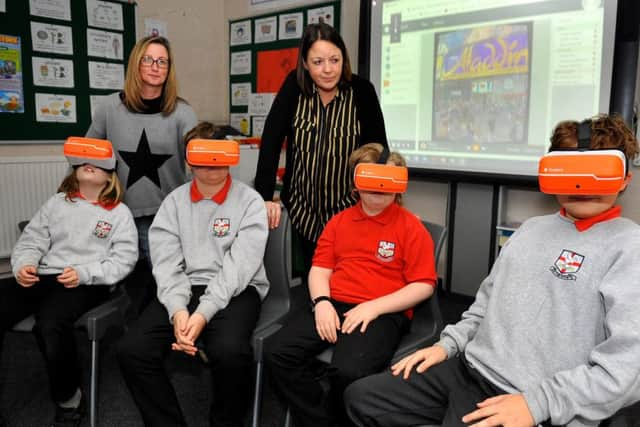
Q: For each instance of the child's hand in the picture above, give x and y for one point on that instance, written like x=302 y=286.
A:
x=362 y=313
x=27 y=276
x=507 y=410
x=69 y=278
x=195 y=325
x=192 y=330
x=180 y=319
x=427 y=357
x=327 y=321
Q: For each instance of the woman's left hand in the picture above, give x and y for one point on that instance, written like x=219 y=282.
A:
x=363 y=314
x=69 y=278
x=273 y=213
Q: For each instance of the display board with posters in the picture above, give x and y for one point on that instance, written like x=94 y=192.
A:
x=48 y=55
x=263 y=50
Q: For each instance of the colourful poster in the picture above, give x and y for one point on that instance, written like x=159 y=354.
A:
x=273 y=66
x=481 y=84
x=11 y=92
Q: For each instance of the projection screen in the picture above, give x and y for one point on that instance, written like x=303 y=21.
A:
x=478 y=85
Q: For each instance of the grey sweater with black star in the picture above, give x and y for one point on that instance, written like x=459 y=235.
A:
x=557 y=319
x=113 y=121
x=100 y=244
x=207 y=244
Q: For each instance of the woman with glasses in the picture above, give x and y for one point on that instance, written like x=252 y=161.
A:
x=146 y=123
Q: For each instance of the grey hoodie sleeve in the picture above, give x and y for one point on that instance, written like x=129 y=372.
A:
x=34 y=241
x=121 y=258
x=174 y=287
x=611 y=378
x=240 y=263
x=454 y=338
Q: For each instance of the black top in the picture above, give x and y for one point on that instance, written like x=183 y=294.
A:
x=317 y=180
x=151 y=106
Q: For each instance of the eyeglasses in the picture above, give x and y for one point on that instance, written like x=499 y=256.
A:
x=148 y=61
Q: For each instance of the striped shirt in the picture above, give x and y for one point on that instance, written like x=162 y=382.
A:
x=325 y=137
x=317 y=180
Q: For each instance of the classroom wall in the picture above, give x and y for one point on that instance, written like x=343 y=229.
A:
x=199 y=36
x=198 y=30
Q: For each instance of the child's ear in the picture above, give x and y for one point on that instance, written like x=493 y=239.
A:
x=627 y=180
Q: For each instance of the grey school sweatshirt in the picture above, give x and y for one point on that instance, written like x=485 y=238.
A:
x=100 y=244
x=220 y=246
x=153 y=144
x=557 y=319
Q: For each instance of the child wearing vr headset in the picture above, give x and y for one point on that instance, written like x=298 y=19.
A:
x=82 y=241
x=373 y=263
x=553 y=336
x=207 y=246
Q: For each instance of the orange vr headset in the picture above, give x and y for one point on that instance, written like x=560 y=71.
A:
x=380 y=177
x=97 y=152
x=213 y=152
x=582 y=170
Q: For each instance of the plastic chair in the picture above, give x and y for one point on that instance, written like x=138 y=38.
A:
x=275 y=307
x=427 y=320
x=96 y=322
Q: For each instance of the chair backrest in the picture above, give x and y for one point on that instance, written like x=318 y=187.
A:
x=427 y=318
x=278 y=265
x=438 y=235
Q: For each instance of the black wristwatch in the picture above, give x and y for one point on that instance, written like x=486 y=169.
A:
x=316 y=300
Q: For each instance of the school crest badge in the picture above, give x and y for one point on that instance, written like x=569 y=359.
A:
x=567 y=264
x=221 y=227
x=386 y=250
x=102 y=229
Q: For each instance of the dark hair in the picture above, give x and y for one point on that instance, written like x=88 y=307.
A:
x=607 y=131
x=312 y=33
x=203 y=130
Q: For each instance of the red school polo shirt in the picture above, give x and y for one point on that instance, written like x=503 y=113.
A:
x=373 y=256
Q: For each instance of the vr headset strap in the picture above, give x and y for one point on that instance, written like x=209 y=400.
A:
x=384 y=156
x=584 y=135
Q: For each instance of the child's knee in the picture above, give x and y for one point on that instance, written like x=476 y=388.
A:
x=129 y=351
x=354 y=394
x=347 y=373
x=229 y=352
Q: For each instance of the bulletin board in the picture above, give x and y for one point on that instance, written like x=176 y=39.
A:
x=55 y=57
x=262 y=51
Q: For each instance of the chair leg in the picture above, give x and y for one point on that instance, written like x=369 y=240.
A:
x=287 y=418
x=257 y=396
x=93 y=392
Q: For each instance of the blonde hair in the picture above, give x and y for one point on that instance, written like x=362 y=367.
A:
x=370 y=153
x=133 y=81
x=111 y=194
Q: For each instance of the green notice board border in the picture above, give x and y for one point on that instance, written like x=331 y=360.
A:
x=16 y=128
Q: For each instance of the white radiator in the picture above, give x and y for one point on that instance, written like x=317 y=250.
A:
x=25 y=184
